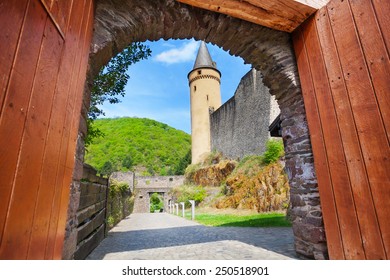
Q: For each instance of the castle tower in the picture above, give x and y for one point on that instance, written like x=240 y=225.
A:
x=204 y=81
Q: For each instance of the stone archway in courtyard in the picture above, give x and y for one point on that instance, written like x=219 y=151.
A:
x=118 y=23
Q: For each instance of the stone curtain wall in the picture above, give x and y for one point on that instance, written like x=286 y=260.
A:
x=120 y=22
x=240 y=126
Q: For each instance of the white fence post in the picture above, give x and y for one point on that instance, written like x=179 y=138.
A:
x=182 y=210
x=192 y=209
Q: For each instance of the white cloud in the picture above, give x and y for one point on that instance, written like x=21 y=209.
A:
x=185 y=53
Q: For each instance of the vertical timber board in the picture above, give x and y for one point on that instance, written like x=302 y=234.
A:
x=79 y=13
x=334 y=240
x=85 y=39
x=59 y=12
x=371 y=236
x=51 y=165
x=38 y=99
x=375 y=53
x=352 y=39
x=374 y=141
x=11 y=22
x=353 y=248
x=21 y=209
x=382 y=9
x=18 y=92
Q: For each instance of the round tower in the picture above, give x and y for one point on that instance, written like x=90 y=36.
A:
x=204 y=81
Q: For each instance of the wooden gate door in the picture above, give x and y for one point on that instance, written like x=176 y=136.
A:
x=44 y=47
x=343 y=61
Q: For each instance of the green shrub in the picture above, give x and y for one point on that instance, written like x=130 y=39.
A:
x=274 y=150
x=189 y=192
x=120 y=203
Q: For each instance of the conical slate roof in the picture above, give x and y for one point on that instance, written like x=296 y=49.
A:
x=203 y=59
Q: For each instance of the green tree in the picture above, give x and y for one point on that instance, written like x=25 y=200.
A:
x=110 y=84
x=107 y=168
x=127 y=162
x=156 y=202
x=185 y=161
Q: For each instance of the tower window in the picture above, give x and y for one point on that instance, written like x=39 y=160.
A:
x=207 y=96
x=194 y=88
x=199 y=72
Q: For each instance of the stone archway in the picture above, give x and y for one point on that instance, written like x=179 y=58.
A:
x=118 y=23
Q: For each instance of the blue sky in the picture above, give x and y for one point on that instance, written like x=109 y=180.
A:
x=158 y=87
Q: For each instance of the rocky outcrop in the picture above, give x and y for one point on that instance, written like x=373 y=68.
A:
x=213 y=175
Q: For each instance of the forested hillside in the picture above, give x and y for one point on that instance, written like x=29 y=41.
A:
x=144 y=145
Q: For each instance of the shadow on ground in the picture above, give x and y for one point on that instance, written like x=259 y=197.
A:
x=278 y=240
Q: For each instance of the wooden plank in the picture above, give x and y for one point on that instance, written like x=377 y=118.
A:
x=21 y=210
x=85 y=41
x=349 y=226
x=61 y=10
x=329 y=211
x=73 y=37
x=48 y=184
x=382 y=9
x=376 y=55
x=372 y=241
x=88 y=212
x=12 y=14
x=13 y=118
x=47 y=3
x=86 y=229
x=88 y=200
x=87 y=246
x=284 y=15
x=87 y=188
x=373 y=139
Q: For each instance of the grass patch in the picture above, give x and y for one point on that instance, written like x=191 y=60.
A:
x=231 y=220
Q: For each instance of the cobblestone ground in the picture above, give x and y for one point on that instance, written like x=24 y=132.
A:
x=162 y=236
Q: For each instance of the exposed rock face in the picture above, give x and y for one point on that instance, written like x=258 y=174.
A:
x=212 y=175
x=120 y=22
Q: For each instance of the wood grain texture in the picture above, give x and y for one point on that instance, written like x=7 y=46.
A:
x=369 y=120
x=56 y=232
x=382 y=9
x=353 y=248
x=369 y=227
x=85 y=41
x=284 y=15
x=329 y=210
x=49 y=186
x=18 y=92
x=375 y=54
x=19 y=221
x=39 y=98
x=346 y=55
x=12 y=14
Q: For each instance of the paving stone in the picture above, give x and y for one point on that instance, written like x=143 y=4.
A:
x=162 y=236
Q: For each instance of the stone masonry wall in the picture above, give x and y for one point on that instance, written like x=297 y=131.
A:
x=240 y=126
x=145 y=186
x=121 y=22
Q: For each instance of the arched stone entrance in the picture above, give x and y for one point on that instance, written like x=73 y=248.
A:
x=118 y=23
